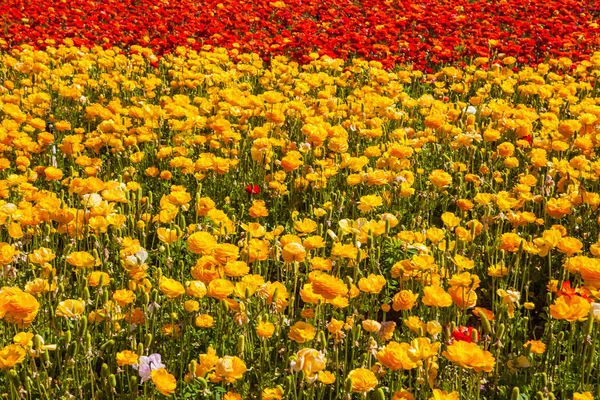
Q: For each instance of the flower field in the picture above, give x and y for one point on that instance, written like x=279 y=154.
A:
x=300 y=200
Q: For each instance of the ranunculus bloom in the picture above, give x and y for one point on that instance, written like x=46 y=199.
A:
x=165 y=382
x=571 y=308
x=12 y=355
x=469 y=355
x=363 y=380
x=229 y=369
x=127 y=357
x=395 y=356
x=435 y=296
x=252 y=189
x=404 y=300
x=301 y=332
x=310 y=361
x=171 y=288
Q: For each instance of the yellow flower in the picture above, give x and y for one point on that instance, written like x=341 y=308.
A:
x=123 y=297
x=220 y=289
x=42 y=256
x=440 y=178
x=82 y=259
x=537 y=347
x=444 y=395
x=12 y=355
x=301 y=332
x=369 y=203
x=469 y=355
x=583 y=396
x=404 y=300
x=164 y=381
x=310 y=361
x=326 y=377
x=204 y=321
x=70 y=308
x=127 y=357
x=97 y=277
x=571 y=308
x=229 y=369
x=171 y=288
x=395 y=356
x=265 y=329
x=293 y=252
x=435 y=296
x=168 y=235
x=372 y=284
x=24 y=339
x=53 y=174
x=258 y=209
x=362 y=380
x=272 y=394
x=201 y=242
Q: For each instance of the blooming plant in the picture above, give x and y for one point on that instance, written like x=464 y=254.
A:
x=299 y=200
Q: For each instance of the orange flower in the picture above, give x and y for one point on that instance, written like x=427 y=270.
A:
x=171 y=288
x=537 y=347
x=293 y=252
x=82 y=259
x=127 y=357
x=372 y=284
x=440 y=178
x=70 y=308
x=220 y=289
x=272 y=394
x=404 y=300
x=301 y=332
x=362 y=380
x=201 y=242
x=396 y=356
x=229 y=369
x=571 y=308
x=18 y=307
x=53 y=174
x=12 y=355
x=435 y=296
x=510 y=242
x=265 y=329
x=204 y=321
x=327 y=286
x=258 y=209
x=469 y=355
x=164 y=381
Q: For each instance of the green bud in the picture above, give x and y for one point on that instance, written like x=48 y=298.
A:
x=485 y=323
x=515 y=394
x=379 y=395
x=83 y=322
x=147 y=340
x=240 y=345
x=133 y=384
x=348 y=386
x=112 y=381
x=203 y=384
x=104 y=371
x=107 y=344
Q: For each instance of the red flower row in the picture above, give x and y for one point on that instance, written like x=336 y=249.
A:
x=423 y=32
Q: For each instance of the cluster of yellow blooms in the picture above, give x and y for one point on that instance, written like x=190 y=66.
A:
x=334 y=227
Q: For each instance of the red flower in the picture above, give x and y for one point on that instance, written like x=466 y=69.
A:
x=465 y=333
x=252 y=189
